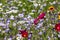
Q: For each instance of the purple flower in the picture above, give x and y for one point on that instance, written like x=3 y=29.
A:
x=40 y=33
x=29 y=39
x=30 y=35
x=59 y=21
x=25 y=18
x=5 y=38
x=1 y=18
x=7 y=30
x=28 y=28
x=10 y=36
x=8 y=20
x=29 y=22
x=52 y=18
x=2 y=24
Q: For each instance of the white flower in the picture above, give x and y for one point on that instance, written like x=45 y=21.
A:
x=21 y=15
x=29 y=16
x=14 y=24
x=8 y=12
x=50 y=24
x=49 y=38
x=24 y=9
x=44 y=4
x=46 y=19
x=19 y=28
x=39 y=4
x=0 y=4
x=50 y=3
x=59 y=35
x=31 y=13
x=33 y=10
x=0 y=29
x=12 y=17
x=40 y=33
x=3 y=31
x=29 y=0
x=54 y=2
x=32 y=20
x=20 y=22
x=39 y=11
x=20 y=2
x=1 y=9
x=41 y=7
x=44 y=0
x=14 y=11
x=19 y=37
x=35 y=4
x=9 y=38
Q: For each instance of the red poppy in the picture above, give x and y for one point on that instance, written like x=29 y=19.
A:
x=57 y=27
x=41 y=16
x=36 y=21
x=24 y=33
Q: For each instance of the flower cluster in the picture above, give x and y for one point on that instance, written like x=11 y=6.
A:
x=29 y=20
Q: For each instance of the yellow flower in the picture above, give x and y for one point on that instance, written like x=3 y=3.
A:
x=59 y=16
x=51 y=8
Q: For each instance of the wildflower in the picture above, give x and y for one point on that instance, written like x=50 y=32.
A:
x=41 y=16
x=44 y=4
x=18 y=37
x=3 y=32
x=8 y=20
x=30 y=35
x=36 y=21
x=9 y=38
x=21 y=22
x=59 y=35
x=54 y=2
x=31 y=13
x=40 y=33
x=0 y=4
x=39 y=25
x=57 y=27
x=29 y=17
x=51 y=8
x=21 y=15
x=35 y=4
x=2 y=24
x=14 y=24
x=7 y=30
x=24 y=33
x=14 y=11
x=12 y=17
x=59 y=16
